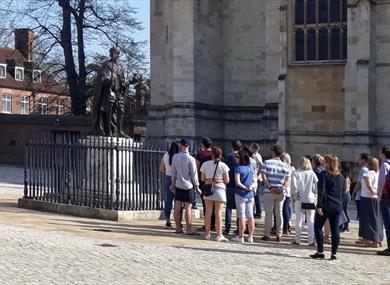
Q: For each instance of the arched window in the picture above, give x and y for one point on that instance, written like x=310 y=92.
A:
x=322 y=26
x=335 y=44
x=299 y=12
x=323 y=44
x=300 y=45
x=311 y=44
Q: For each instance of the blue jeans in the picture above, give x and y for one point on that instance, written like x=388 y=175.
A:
x=319 y=221
x=286 y=213
x=385 y=210
x=168 y=197
x=257 y=200
x=230 y=205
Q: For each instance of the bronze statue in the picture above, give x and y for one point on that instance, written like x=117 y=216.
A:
x=108 y=102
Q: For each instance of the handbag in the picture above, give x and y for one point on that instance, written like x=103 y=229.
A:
x=308 y=206
x=208 y=188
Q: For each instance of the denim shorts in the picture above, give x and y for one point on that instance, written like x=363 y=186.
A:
x=244 y=207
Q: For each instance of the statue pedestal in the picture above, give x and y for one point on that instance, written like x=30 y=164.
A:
x=109 y=172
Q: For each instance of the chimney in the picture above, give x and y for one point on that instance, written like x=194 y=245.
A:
x=24 y=42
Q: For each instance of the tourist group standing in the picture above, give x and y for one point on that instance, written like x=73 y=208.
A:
x=318 y=191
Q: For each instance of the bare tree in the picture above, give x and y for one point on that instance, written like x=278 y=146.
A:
x=71 y=34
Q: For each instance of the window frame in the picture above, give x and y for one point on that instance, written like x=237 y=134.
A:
x=41 y=104
x=3 y=65
x=60 y=105
x=23 y=103
x=19 y=68
x=3 y=99
x=40 y=76
x=292 y=28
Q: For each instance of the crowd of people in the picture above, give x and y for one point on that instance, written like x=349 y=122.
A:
x=318 y=191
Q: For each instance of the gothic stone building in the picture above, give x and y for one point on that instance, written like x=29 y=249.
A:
x=313 y=75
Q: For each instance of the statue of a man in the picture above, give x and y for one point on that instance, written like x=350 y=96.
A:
x=108 y=102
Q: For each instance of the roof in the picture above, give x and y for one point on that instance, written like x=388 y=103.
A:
x=47 y=85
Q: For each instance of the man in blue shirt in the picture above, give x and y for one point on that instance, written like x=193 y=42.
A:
x=231 y=186
x=275 y=174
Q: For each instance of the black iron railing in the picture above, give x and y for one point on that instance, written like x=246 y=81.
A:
x=99 y=172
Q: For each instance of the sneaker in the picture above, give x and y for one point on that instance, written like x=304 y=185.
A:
x=385 y=252
x=207 y=237
x=221 y=239
x=333 y=257
x=168 y=226
x=250 y=239
x=238 y=239
x=317 y=256
x=265 y=238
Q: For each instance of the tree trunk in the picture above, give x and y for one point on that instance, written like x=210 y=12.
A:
x=77 y=95
x=81 y=54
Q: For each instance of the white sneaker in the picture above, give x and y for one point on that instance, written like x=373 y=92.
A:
x=221 y=238
x=207 y=237
x=238 y=239
x=250 y=239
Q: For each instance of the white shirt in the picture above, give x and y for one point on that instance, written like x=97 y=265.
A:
x=362 y=172
x=208 y=169
x=259 y=163
x=304 y=186
x=168 y=168
x=288 y=188
x=373 y=177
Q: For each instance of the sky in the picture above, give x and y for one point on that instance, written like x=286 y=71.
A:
x=143 y=7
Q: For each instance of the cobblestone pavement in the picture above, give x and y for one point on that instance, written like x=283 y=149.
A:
x=30 y=256
x=41 y=248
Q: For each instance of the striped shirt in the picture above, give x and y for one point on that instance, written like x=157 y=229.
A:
x=276 y=172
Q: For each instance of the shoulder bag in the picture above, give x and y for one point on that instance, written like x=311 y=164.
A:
x=208 y=188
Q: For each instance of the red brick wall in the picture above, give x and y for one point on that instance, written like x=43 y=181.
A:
x=15 y=129
x=16 y=106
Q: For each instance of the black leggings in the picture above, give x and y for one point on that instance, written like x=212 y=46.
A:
x=319 y=221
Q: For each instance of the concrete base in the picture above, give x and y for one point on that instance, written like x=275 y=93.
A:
x=94 y=213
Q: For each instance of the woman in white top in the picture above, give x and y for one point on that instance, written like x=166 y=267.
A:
x=369 y=228
x=287 y=211
x=218 y=185
x=165 y=168
x=304 y=193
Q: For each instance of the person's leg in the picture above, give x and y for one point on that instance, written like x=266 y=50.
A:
x=327 y=230
x=334 y=220
x=240 y=206
x=385 y=211
x=269 y=212
x=257 y=202
x=188 y=216
x=278 y=204
x=319 y=222
x=298 y=221
x=218 y=206
x=250 y=217
x=207 y=219
x=310 y=225
x=286 y=214
x=177 y=215
x=169 y=196
x=212 y=222
x=357 y=209
x=229 y=208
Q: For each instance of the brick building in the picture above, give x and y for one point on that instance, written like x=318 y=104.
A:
x=24 y=88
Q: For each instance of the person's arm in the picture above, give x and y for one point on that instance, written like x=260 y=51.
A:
x=382 y=179
x=356 y=189
x=203 y=176
x=225 y=177
x=239 y=184
x=197 y=164
x=162 y=166
x=264 y=175
x=321 y=199
x=194 y=175
x=174 y=173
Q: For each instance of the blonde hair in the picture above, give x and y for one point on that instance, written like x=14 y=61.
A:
x=304 y=164
x=285 y=157
x=373 y=164
x=332 y=164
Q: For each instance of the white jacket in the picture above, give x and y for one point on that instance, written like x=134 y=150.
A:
x=304 y=186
